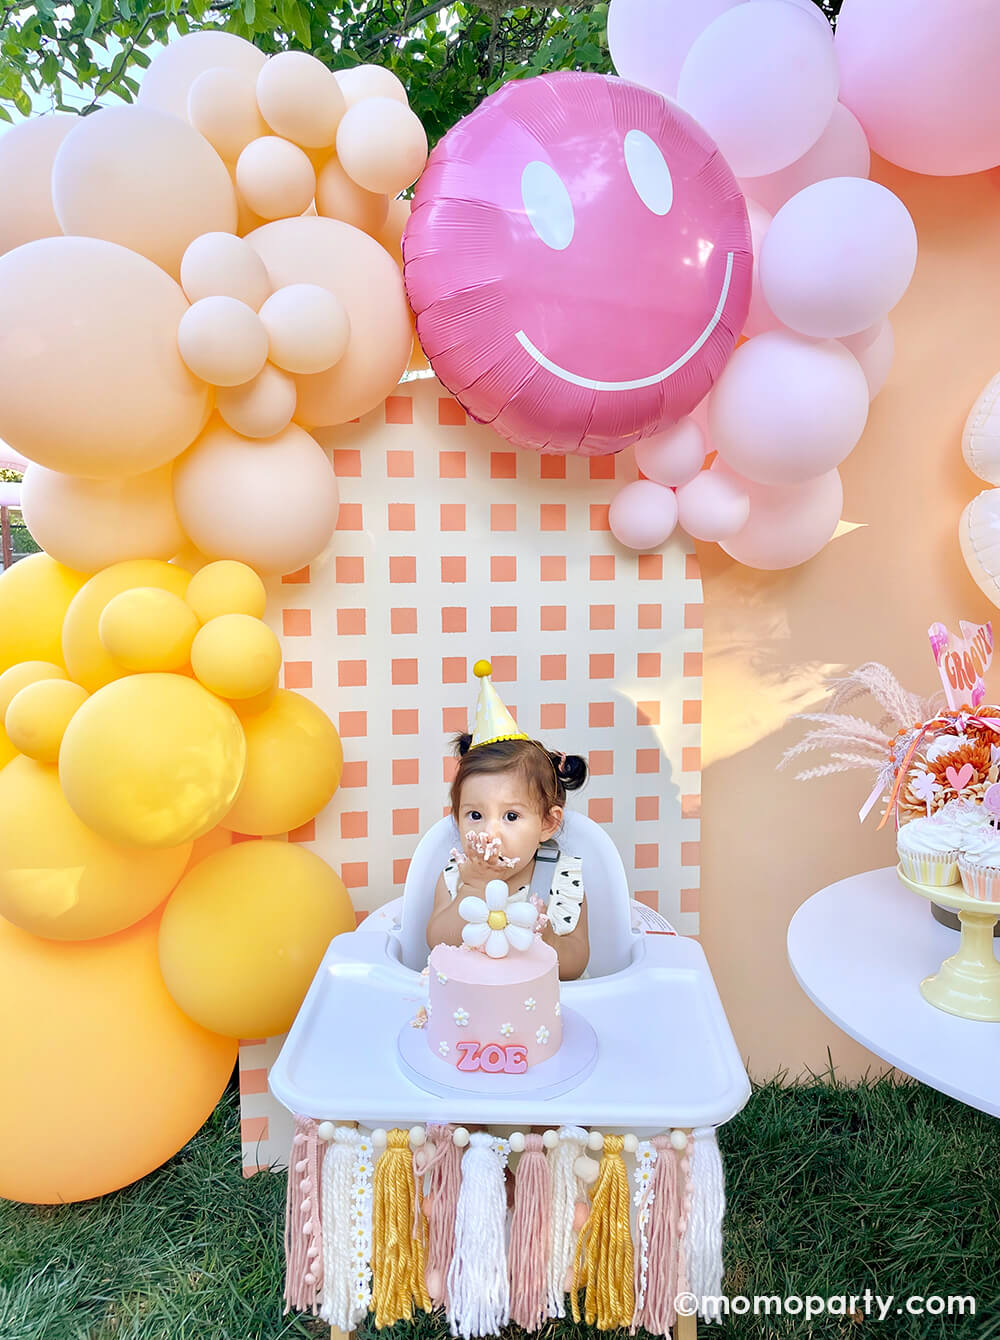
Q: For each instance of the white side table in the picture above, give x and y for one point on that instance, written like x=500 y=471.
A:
x=860 y=949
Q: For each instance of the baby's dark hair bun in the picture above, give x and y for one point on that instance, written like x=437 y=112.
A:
x=571 y=770
x=462 y=744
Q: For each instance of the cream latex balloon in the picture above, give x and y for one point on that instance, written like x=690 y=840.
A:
x=143 y=179
x=307 y=326
x=979 y=538
x=222 y=340
x=275 y=177
x=271 y=505
x=89 y=524
x=338 y=197
x=981 y=434
x=262 y=407
x=63 y=296
x=219 y=265
x=27 y=152
x=222 y=106
x=382 y=145
x=300 y=99
x=369 y=81
x=167 y=83
x=364 y=277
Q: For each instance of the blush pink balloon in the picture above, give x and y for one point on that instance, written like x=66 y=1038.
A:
x=922 y=80
x=643 y=514
x=673 y=457
x=874 y=353
x=760 y=317
x=579 y=261
x=648 y=39
x=713 y=506
x=788 y=524
x=841 y=151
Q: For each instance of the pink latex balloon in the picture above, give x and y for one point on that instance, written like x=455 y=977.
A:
x=578 y=258
x=787 y=409
x=760 y=317
x=788 y=524
x=648 y=39
x=841 y=151
x=874 y=353
x=713 y=506
x=643 y=514
x=922 y=80
x=673 y=457
x=838 y=257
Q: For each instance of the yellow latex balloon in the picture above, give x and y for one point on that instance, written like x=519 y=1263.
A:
x=243 y=934
x=87 y=660
x=226 y=587
x=294 y=762
x=104 y=1078
x=38 y=715
x=34 y=596
x=147 y=628
x=236 y=656
x=12 y=681
x=152 y=760
x=58 y=878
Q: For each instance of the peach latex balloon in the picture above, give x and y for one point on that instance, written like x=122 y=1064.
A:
x=391 y=233
x=272 y=506
x=222 y=106
x=300 y=99
x=167 y=83
x=369 y=81
x=81 y=414
x=275 y=178
x=262 y=407
x=34 y=597
x=219 y=265
x=382 y=145
x=222 y=340
x=89 y=524
x=338 y=197
x=364 y=277
x=95 y=1048
x=307 y=326
x=143 y=179
x=26 y=155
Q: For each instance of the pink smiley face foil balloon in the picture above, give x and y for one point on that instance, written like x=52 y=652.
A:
x=579 y=261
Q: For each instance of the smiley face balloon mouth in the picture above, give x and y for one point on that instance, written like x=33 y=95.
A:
x=579 y=261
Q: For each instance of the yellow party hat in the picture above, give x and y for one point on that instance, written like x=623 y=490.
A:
x=493 y=721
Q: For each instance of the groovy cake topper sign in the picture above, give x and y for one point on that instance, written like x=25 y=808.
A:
x=962 y=661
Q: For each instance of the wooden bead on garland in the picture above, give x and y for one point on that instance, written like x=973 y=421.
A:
x=603 y=1263
x=397 y=1253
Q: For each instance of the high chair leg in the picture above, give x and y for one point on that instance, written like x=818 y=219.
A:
x=337 y=1334
x=686 y=1328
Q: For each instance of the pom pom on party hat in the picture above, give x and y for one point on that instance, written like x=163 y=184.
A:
x=493 y=721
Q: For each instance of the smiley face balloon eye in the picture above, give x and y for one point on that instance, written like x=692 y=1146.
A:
x=547 y=205
x=648 y=171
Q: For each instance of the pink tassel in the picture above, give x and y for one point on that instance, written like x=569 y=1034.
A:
x=529 y=1237
x=663 y=1274
x=443 y=1169
x=303 y=1241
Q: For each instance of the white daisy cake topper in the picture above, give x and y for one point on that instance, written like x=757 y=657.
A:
x=497 y=923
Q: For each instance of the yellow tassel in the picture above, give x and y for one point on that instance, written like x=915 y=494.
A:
x=603 y=1265
x=397 y=1253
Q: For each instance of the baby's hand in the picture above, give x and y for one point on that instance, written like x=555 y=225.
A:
x=482 y=859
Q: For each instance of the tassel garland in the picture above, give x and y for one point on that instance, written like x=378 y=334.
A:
x=530 y=1237
x=303 y=1244
x=655 y=1305
x=397 y=1255
x=442 y=1165
x=478 y=1292
x=603 y=1262
x=703 y=1237
x=347 y=1228
x=567 y=1189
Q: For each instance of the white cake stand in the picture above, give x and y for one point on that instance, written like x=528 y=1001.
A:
x=570 y=1066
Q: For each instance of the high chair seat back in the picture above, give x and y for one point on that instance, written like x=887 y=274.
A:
x=606 y=888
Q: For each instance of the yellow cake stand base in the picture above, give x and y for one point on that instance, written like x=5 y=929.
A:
x=968 y=983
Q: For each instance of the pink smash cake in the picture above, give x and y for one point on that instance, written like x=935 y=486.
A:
x=501 y=1015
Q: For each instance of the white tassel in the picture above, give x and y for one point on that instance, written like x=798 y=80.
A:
x=703 y=1235
x=567 y=1189
x=347 y=1214
x=478 y=1289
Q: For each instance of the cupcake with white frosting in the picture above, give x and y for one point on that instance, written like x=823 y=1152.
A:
x=979 y=866
x=929 y=850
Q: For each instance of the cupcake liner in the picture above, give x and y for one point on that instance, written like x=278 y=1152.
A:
x=980 y=881
x=939 y=869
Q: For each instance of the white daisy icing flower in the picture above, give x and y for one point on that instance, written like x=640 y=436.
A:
x=496 y=923
x=558 y=1009
x=506 y=1029
x=542 y=1035
x=529 y=1004
x=461 y=1017
x=443 y=1048
x=441 y=977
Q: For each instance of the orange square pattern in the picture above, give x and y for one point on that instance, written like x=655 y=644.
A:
x=453 y=619
x=296 y=623
x=602 y=715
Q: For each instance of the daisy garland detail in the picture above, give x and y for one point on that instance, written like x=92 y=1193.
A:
x=642 y=1177
x=364 y=1171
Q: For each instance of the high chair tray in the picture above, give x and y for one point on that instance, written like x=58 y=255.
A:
x=666 y=1055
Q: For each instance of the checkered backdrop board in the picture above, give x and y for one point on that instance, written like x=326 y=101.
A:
x=451 y=546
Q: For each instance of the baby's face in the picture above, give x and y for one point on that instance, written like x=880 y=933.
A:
x=501 y=805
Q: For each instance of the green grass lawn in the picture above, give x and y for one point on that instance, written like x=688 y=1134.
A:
x=832 y=1189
